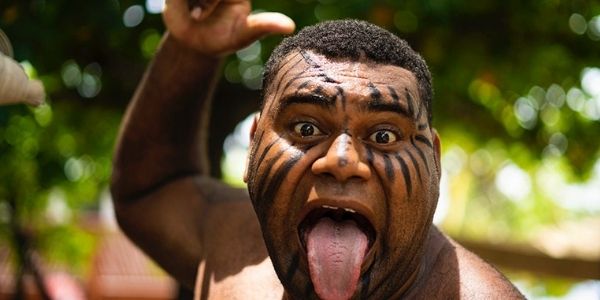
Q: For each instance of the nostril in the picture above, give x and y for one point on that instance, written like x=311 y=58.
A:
x=327 y=176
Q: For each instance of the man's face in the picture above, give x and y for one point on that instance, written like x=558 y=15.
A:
x=344 y=176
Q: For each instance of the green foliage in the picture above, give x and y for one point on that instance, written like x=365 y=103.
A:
x=55 y=163
x=507 y=78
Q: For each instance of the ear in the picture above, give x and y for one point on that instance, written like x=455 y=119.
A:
x=437 y=149
x=251 y=144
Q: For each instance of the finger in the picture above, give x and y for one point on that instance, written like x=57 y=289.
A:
x=201 y=9
x=262 y=24
x=177 y=16
x=35 y=93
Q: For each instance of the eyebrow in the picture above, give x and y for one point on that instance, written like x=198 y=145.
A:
x=377 y=106
x=312 y=98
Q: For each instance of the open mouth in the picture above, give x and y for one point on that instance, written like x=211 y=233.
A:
x=337 y=214
x=336 y=241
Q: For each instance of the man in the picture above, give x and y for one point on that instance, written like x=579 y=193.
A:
x=343 y=172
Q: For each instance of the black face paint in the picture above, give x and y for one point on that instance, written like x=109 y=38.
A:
x=424 y=140
x=270 y=190
x=405 y=172
x=288 y=70
x=293 y=267
x=370 y=156
x=409 y=101
x=260 y=181
x=328 y=79
x=341 y=96
x=389 y=169
x=375 y=93
x=394 y=94
x=415 y=164
x=309 y=60
x=421 y=154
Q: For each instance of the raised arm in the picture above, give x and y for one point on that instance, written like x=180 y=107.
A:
x=159 y=182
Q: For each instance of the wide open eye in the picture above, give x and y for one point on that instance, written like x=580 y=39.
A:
x=383 y=137
x=305 y=129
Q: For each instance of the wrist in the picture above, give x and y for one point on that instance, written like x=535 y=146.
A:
x=175 y=46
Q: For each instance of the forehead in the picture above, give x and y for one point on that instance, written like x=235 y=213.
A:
x=308 y=70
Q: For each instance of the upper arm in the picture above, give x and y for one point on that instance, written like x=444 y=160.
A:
x=480 y=280
x=168 y=222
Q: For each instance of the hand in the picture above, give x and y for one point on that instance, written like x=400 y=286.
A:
x=220 y=27
x=15 y=87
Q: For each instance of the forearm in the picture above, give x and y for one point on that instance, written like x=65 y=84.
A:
x=164 y=132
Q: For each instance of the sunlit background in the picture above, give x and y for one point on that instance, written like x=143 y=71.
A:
x=517 y=105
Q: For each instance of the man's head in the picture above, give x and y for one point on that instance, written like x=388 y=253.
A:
x=343 y=169
x=353 y=40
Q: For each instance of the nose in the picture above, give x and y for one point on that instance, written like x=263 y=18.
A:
x=342 y=161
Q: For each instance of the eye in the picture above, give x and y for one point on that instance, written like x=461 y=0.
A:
x=305 y=129
x=383 y=137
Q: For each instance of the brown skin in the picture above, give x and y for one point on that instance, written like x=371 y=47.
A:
x=352 y=152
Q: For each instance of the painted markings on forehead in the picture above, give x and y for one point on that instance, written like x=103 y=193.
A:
x=375 y=93
x=298 y=60
x=394 y=94
x=328 y=79
x=312 y=99
x=311 y=64
x=377 y=106
x=409 y=100
x=341 y=96
x=302 y=86
x=309 y=60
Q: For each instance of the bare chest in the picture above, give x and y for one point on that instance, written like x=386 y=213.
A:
x=252 y=282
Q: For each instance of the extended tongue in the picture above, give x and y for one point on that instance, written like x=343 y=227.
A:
x=335 y=254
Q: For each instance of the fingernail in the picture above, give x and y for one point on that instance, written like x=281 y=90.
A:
x=196 y=13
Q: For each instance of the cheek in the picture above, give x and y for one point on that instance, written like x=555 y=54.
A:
x=276 y=167
x=408 y=186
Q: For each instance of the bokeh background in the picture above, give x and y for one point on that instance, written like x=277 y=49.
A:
x=517 y=105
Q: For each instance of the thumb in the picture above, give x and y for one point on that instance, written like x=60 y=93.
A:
x=261 y=24
x=34 y=94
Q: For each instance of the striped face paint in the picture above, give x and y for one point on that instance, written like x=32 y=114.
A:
x=343 y=143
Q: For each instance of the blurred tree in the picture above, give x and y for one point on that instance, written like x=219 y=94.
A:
x=517 y=90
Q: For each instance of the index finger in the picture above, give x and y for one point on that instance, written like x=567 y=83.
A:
x=177 y=16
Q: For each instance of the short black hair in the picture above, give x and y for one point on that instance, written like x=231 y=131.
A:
x=354 y=39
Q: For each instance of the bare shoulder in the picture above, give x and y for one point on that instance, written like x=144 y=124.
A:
x=232 y=234
x=449 y=271
x=235 y=264
x=480 y=280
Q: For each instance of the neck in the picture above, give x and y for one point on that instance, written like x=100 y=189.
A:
x=421 y=278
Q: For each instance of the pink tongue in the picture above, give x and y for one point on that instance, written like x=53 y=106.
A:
x=335 y=254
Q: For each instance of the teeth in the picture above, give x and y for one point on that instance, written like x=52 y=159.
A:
x=329 y=207
x=336 y=208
